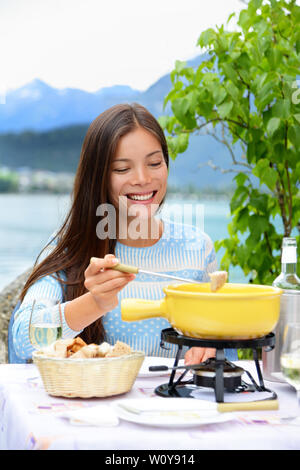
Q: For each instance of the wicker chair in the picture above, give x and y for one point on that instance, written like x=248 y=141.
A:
x=9 y=298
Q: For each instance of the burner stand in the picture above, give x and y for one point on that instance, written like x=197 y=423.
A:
x=204 y=375
x=179 y=388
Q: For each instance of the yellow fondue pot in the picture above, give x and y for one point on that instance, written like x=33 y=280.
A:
x=236 y=311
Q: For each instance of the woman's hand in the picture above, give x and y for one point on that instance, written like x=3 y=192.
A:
x=197 y=355
x=104 y=283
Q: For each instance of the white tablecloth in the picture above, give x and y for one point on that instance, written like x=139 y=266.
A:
x=29 y=420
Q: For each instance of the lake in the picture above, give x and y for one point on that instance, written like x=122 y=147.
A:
x=27 y=221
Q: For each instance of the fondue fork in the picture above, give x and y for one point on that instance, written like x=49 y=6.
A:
x=137 y=411
x=209 y=407
x=133 y=269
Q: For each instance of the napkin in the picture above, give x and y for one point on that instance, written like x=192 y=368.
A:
x=100 y=415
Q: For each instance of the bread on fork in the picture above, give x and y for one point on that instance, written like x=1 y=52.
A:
x=217 y=280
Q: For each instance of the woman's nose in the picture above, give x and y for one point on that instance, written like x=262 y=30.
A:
x=141 y=176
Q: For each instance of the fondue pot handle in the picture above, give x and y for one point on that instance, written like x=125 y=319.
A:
x=140 y=309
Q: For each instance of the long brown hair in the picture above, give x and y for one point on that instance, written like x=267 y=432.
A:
x=77 y=240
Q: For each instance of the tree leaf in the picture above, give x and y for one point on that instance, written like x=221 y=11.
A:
x=240 y=195
x=270 y=177
x=255 y=4
x=206 y=37
x=219 y=94
x=242 y=220
x=234 y=91
x=297 y=117
x=266 y=174
x=205 y=108
x=230 y=17
x=179 y=66
x=245 y=20
x=241 y=179
x=274 y=57
x=258 y=225
x=180 y=107
x=282 y=109
x=273 y=125
x=182 y=142
x=294 y=136
x=259 y=201
x=224 y=109
x=230 y=73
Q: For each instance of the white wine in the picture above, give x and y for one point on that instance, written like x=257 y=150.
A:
x=290 y=366
x=44 y=334
x=288 y=279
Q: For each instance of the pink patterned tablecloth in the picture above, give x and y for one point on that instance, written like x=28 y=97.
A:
x=29 y=419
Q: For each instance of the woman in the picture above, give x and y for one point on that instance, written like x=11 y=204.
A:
x=124 y=166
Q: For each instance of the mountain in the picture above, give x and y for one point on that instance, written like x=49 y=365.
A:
x=43 y=128
x=40 y=107
x=58 y=150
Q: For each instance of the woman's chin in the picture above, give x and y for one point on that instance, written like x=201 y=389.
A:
x=141 y=210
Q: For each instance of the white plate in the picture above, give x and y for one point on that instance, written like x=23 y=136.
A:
x=179 y=416
x=158 y=361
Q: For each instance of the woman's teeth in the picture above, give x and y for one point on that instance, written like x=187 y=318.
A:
x=143 y=197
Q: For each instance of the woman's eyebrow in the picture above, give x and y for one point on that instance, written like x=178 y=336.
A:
x=128 y=159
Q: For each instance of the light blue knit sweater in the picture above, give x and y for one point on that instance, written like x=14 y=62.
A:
x=183 y=250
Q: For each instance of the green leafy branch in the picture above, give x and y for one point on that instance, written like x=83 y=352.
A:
x=243 y=94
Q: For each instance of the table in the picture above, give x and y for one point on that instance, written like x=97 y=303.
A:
x=29 y=420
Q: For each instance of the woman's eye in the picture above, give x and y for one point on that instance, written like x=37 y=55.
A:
x=155 y=164
x=120 y=170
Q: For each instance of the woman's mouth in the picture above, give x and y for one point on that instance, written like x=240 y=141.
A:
x=142 y=197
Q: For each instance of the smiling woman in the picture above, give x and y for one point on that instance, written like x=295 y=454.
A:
x=124 y=163
x=139 y=184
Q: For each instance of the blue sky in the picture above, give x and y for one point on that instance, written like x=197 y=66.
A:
x=90 y=44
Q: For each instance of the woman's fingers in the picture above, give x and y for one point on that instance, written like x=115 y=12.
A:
x=209 y=352
x=110 y=284
x=106 y=275
x=105 y=283
x=112 y=293
x=98 y=264
x=193 y=357
x=99 y=278
x=196 y=355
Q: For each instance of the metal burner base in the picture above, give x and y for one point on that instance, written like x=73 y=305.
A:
x=225 y=376
x=205 y=374
x=185 y=390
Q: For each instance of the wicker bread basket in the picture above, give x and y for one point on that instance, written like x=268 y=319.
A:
x=87 y=378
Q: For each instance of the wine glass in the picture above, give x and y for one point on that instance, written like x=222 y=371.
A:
x=45 y=327
x=290 y=357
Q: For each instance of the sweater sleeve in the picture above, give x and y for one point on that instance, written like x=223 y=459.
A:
x=44 y=291
x=47 y=293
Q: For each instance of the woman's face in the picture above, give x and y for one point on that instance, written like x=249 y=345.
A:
x=138 y=174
